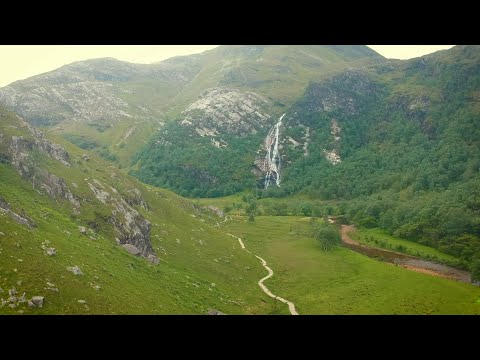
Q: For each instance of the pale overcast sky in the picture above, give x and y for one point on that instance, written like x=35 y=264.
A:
x=22 y=61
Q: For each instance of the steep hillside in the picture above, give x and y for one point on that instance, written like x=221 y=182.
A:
x=209 y=148
x=89 y=239
x=402 y=140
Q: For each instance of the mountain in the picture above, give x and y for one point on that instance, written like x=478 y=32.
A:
x=336 y=133
x=103 y=104
x=401 y=139
x=395 y=141
x=112 y=106
x=91 y=240
x=209 y=147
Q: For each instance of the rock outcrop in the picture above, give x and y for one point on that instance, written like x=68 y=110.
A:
x=23 y=219
x=223 y=110
x=21 y=153
x=135 y=198
x=75 y=270
x=217 y=211
x=131 y=228
x=215 y=312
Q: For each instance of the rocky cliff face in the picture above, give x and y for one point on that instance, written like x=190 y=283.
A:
x=131 y=228
x=22 y=153
x=225 y=110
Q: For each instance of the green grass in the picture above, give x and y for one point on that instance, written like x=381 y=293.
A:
x=194 y=253
x=378 y=238
x=129 y=285
x=111 y=140
x=345 y=282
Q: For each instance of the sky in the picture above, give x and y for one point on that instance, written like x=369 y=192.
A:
x=22 y=61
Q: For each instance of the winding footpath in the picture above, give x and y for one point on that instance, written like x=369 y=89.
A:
x=291 y=306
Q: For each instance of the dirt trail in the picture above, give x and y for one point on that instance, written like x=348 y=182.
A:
x=403 y=260
x=291 y=306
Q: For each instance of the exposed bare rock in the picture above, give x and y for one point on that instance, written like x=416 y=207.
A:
x=12 y=291
x=75 y=270
x=215 y=312
x=132 y=249
x=153 y=259
x=215 y=210
x=131 y=227
x=54 y=186
x=100 y=194
x=332 y=155
x=227 y=110
x=41 y=144
x=38 y=301
x=51 y=251
x=20 y=152
x=82 y=230
x=135 y=198
x=23 y=219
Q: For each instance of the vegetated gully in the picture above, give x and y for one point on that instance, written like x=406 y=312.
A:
x=291 y=306
x=405 y=261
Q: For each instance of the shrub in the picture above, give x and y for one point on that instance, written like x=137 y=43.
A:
x=327 y=235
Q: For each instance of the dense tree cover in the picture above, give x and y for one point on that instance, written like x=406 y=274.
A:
x=411 y=161
x=190 y=165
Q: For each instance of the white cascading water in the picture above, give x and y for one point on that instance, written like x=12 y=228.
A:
x=272 y=159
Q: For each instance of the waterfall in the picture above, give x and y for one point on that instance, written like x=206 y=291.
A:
x=272 y=159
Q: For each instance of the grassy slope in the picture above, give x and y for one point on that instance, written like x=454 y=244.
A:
x=128 y=284
x=113 y=137
x=344 y=282
x=280 y=72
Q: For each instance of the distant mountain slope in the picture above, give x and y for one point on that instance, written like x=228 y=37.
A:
x=113 y=107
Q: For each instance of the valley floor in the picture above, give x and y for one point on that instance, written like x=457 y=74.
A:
x=342 y=281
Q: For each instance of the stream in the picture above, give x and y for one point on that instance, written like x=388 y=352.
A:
x=403 y=260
